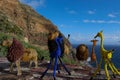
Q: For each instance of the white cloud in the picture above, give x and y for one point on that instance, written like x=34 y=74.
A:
x=65 y=26
x=34 y=3
x=76 y=21
x=91 y=12
x=78 y=38
x=72 y=12
x=111 y=15
x=102 y=21
x=62 y=25
x=93 y=21
x=112 y=21
x=117 y=35
x=86 y=21
x=112 y=38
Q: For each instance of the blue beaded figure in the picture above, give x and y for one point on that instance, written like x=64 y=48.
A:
x=55 y=40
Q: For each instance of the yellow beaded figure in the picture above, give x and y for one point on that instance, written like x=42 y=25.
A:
x=106 y=57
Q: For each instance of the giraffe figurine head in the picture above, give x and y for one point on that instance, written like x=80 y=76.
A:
x=99 y=34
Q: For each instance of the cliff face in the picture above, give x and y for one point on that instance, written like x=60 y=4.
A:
x=20 y=19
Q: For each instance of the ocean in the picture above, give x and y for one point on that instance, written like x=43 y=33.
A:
x=115 y=58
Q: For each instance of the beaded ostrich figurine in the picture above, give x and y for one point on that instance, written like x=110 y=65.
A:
x=54 y=41
x=106 y=57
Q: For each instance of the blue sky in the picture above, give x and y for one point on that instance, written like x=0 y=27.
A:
x=82 y=19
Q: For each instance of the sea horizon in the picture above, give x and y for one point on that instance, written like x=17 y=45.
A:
x=115 y=57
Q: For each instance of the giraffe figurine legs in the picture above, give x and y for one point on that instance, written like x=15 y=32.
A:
x=106 y=69
x=106 y=64
x=97 y=70
x=115 y=70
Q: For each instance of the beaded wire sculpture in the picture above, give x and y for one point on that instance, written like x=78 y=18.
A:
x=14 y=54
x=106 y=57
x=17 y=53
x=54 y=41
x=82 y=52
x=93 y=55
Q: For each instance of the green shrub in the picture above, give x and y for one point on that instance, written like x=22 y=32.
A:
x=3 y=36
x=8 y=27
x=3 y=51
x=68 y=60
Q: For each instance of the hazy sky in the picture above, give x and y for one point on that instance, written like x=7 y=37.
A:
x=82 y=18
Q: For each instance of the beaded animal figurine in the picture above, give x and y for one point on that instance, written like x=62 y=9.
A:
x=55 y=53
x=93 y=55
x=106 y=57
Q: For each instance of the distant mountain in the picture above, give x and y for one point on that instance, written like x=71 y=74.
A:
x=21 y=20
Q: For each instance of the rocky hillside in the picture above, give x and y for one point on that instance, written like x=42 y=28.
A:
x=21 y=20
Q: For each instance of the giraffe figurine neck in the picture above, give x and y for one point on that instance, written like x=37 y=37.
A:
x=102 y=42
x=93 y=56
x=93 y=49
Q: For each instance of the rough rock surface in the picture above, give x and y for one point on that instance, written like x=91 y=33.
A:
x=77 y=72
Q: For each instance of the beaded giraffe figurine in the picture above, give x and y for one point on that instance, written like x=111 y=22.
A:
x=93 y=55
x=106 y=57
